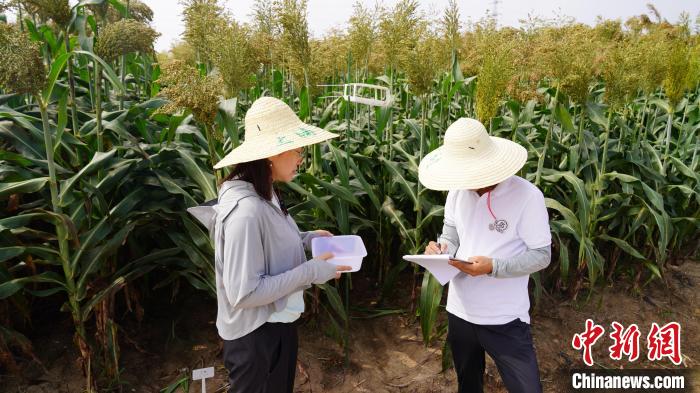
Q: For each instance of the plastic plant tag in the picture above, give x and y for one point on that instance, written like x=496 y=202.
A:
x=203 y=374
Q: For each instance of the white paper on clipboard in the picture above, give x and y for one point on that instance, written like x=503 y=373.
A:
x=437 y=265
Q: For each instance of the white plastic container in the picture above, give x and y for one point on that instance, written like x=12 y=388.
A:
x=348 y=250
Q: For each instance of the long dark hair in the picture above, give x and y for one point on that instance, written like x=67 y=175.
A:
x=258 y=173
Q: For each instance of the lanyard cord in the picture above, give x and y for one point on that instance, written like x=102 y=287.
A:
x=488 y=205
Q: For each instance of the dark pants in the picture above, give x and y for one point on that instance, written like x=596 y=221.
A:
x=509 y=345
x=263 y=360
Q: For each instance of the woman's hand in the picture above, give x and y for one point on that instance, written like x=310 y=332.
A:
x=338 y=269
x=480 y=265
x=323 y=232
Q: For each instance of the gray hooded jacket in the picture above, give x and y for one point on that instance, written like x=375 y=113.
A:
x=259 y=258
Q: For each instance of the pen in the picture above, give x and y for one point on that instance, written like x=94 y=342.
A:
x=438 y=243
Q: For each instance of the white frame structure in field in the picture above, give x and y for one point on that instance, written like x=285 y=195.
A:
x=365 y=93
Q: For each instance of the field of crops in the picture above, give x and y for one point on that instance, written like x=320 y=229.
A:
x=103 y=145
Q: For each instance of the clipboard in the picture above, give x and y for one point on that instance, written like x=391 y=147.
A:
x=437 y=264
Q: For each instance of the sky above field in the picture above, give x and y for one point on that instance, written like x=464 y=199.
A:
x=326 y=14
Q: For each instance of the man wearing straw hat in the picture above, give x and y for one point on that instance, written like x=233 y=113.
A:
x=496 y=229
x=261 y=267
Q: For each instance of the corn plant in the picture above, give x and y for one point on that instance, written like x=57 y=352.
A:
x=93 y=199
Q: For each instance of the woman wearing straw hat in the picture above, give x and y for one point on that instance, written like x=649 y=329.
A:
x=261 y=267
x=496 y=229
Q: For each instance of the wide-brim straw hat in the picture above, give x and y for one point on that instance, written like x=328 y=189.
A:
x=271 y=128
x=470 y=159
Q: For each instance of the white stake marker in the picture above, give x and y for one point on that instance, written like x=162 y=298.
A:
x=203 y=374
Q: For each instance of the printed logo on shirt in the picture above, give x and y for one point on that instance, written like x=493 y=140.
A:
x=499 y=226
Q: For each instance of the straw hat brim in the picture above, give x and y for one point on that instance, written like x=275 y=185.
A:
x=444 y=169
x=268 y=145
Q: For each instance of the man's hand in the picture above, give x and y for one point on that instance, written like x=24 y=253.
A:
x=434 y=248
x=323 y=232
x=481 y=265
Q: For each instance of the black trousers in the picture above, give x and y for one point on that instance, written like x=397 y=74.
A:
x=509 y=345
x=264 y=360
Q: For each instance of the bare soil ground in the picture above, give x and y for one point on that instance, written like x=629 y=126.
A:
x=386 y=353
